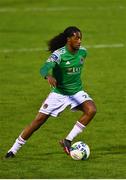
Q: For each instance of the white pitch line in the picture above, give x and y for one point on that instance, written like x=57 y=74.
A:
x=106 y=46
x=41 y=9
x=97 y=46
x=21 y=50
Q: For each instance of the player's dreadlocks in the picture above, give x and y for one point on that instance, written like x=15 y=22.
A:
x=61 y=39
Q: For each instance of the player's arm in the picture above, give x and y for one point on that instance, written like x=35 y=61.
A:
x=49 y=65
x=44 y=71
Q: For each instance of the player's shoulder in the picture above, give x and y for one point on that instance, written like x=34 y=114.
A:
x=56 y=55
x=60 y=51
x=83 y=51
x=82 y=48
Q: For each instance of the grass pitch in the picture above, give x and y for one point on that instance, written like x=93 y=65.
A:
x=25 y=27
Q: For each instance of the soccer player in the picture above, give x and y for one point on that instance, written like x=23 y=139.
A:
x=65 y=63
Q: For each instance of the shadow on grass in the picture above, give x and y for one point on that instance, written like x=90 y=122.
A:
x=33 y=156
x=117 y=149
x=42 y=156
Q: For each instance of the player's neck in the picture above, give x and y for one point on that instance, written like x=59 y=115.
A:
x=70 y=49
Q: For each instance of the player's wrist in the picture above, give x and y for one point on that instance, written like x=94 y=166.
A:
x=46 y=77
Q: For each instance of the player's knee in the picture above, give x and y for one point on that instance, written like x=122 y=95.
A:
x=91 y=111
x=40 y=119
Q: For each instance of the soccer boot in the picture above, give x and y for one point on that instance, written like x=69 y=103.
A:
x=66 y=144
x=10 y=154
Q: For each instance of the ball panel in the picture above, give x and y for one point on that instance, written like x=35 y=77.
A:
x=76 y=154
x=87 y=152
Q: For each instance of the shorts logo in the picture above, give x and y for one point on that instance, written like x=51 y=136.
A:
x=45 y=106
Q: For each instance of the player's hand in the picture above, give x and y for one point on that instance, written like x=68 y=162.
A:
x=51 y=80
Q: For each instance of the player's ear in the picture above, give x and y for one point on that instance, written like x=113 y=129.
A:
x=68 y=39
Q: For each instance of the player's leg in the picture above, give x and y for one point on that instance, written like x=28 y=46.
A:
x=26 y=133
x=89 y=110
x=35 y=124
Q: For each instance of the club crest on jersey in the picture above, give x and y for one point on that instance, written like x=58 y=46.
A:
x=81 y=60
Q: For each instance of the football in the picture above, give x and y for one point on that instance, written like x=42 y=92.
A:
x=80 y=151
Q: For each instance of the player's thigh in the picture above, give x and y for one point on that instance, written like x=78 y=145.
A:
x=87 y=107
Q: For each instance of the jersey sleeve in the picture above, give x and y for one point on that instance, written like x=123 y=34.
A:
x=54 y=57
x=50 y=63
x=44 y=70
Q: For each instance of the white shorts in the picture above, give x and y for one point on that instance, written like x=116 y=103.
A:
x=56 y=103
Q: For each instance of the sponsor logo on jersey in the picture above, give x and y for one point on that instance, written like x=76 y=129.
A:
x=74 y=70
x=69 y=70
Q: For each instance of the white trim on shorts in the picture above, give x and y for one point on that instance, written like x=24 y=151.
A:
x=55 y=103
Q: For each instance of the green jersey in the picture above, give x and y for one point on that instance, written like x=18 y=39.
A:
x=66 y=69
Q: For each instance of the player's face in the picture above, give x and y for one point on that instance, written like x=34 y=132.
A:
x=75 y=40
